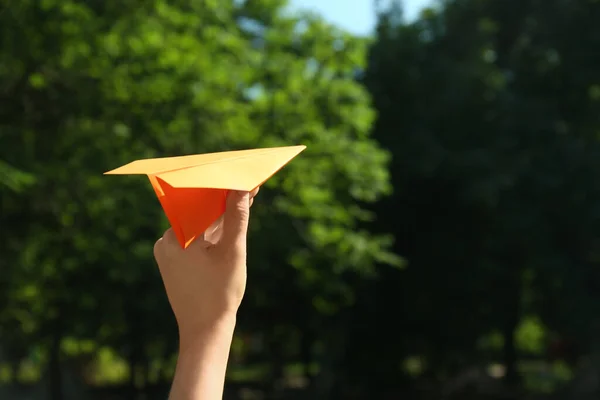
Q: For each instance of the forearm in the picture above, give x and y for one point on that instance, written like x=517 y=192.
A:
x=202 y=363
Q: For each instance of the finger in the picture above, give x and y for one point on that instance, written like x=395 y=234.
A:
x=213 y=233
x=237 y=215
x=202 y=241
x=253 y=194
x=169 y=237
x=159 y=251
x=164 y=246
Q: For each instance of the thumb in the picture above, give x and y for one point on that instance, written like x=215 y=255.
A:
x=237 y=215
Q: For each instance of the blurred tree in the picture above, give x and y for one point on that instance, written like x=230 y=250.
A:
x=488 y=108
x=87 y=86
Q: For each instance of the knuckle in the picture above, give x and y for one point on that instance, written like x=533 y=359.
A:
x=234 y=252
x=164 y=246
x=243 y=210
x=169 y=237
x=158 y=249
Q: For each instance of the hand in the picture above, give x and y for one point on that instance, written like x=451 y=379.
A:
x=205 y=283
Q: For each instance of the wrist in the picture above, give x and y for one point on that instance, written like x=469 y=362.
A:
x=202 y=362
x=219 y=329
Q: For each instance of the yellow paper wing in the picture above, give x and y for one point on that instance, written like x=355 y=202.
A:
x=153 y=166
x=244 y=172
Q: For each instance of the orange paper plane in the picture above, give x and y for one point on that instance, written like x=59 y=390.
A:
x=192 y=189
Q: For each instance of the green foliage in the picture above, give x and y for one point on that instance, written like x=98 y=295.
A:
x=88 y=86
x=488 y=109
x=463 y=144
x=14 y=179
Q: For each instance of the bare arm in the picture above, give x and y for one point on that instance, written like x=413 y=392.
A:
x=205 y=284
x=202 y=363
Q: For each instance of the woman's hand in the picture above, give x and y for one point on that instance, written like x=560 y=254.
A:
x=205 y=284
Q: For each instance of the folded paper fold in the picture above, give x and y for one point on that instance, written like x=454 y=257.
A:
x=192 y=189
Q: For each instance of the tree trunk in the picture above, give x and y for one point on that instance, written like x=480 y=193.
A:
x=329 y=380
x=134 y=362
x=54 y=365
x=306 y=349
x=277 y=364
x=511 y=358
x=510 y=352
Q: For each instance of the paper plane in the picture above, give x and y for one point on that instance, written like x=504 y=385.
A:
x=192 y=189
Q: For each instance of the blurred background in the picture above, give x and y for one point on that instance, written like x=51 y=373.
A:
x=438 y=239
